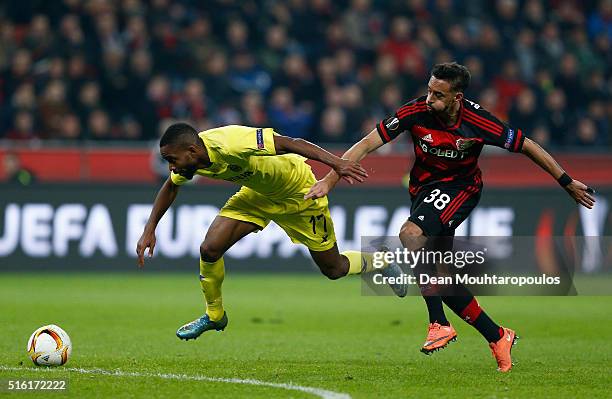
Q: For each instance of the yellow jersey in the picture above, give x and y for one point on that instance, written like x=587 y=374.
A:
x=247 y=156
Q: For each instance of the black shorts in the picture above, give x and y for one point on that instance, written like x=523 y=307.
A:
x=438 y=209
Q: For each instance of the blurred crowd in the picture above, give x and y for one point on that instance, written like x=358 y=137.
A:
x=325 y=70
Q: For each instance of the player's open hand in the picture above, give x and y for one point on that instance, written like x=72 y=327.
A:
x=350 y=171
x=581 y=193
x=147 y=240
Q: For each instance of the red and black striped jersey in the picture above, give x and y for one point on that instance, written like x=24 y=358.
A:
x=443 y=153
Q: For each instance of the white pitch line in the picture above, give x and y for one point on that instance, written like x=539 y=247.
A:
x=322 y=393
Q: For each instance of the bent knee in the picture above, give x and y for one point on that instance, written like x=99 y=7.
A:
x=411 y=236
x=210 y=252
x=410 y=229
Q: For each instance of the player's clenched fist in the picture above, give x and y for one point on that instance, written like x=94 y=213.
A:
x=147 y=240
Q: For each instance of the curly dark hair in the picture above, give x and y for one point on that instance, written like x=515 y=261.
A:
x=179 y=133
x=456 y=74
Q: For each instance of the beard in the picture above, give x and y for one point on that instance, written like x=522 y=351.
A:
x=443 y=112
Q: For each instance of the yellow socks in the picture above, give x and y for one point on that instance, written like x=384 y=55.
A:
x=359 y=262
x=211 y=278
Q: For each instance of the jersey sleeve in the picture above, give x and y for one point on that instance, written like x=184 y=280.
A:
x=244 y=143
x=495 y=132
x=403 y=120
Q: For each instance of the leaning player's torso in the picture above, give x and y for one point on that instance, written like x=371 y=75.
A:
x=444 y=153
x=275 y=177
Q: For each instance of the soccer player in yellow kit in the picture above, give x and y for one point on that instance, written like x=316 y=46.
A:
x=274 y=177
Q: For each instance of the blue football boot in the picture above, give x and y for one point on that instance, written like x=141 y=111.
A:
x=195 y=328
x=399 y=287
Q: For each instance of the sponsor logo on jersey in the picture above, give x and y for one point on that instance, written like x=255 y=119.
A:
x=428 y=138
x=392 y=124
x=509 y=138
x=242 y=176
x=260 y=139
x=464 y=144
x=443 y=152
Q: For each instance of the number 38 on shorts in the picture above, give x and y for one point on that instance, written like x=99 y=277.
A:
x=440 y=209
x=439 y=199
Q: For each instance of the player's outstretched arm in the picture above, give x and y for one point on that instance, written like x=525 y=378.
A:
x=165 y=197
x=580 y=192
x=356 y=153
x=347 y=169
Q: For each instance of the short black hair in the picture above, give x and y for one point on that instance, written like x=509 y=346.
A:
x=179 y=133
x=456 y=74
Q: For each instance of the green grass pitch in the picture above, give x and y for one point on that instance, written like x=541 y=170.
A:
x=294 y=329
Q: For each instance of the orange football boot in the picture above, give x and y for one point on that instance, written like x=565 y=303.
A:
x=438 y=336
x=502 y=349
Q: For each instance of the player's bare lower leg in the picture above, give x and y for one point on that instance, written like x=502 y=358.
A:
x=334 y=265
x=222 y=234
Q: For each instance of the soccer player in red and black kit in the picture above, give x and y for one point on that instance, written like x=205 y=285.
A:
x=449 y=133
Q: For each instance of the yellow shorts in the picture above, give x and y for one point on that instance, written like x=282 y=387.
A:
x=306 y=222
